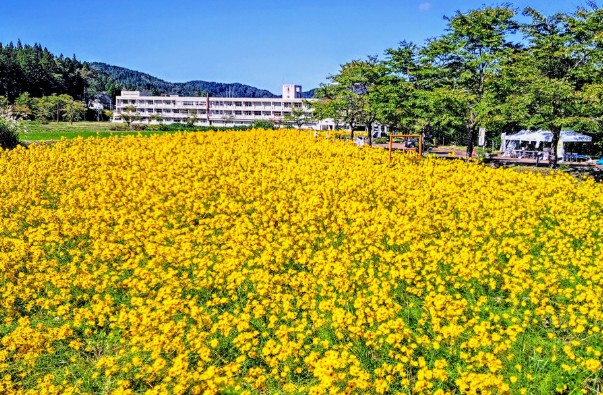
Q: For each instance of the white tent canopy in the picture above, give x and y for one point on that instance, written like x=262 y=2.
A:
x=513 y=141
x=566 y=136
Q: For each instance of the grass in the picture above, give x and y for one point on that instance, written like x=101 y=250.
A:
x=35 y=131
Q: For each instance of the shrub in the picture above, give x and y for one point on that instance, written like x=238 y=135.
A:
x=119 y=127
x=262 y=124
x=9 y=138
x=138 y=126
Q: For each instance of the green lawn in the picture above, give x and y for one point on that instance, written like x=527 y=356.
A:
x=35 y=131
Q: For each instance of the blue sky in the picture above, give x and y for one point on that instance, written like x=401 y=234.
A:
x=263 y=43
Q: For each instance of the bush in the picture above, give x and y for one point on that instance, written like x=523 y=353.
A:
x=9 y=138
x=262 y=124
x=139 y=126
x=119 y=127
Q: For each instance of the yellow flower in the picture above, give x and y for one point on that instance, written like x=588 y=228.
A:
x=272 y=261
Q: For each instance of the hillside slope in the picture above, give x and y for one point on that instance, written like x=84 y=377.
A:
x=136 y=80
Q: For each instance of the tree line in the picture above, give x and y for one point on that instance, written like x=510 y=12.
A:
x=35 y=70
x=493 y=68
x=46 y=108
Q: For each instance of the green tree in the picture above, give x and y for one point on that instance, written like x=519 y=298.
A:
x=326 y=107
x=192 y=118
x=43 y=108
x=299 y=116
x=60 y=104
x=108 y=114
x=74 y=110
x=372 y=81
x=349 y=96
x=558 y=74
x=129 y=115
x=592 y=110
x=23 y=106
x=396 y=97
x=458 y=67
x=156 y=117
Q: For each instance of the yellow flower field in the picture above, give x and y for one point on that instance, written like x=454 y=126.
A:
x=273 y=262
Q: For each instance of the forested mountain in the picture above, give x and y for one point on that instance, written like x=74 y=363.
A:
x=308 y=94
x=34 y=69
x=136 y=80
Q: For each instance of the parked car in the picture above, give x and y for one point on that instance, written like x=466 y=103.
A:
x=380 y=135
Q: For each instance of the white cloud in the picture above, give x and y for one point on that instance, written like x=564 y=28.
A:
x=424 y=7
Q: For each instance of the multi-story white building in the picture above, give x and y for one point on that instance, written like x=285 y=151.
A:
x=214 y=111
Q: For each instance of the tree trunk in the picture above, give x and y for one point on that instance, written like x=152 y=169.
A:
x=369 y=127
x=352 y=130
x=471 y=131
x=555 y=140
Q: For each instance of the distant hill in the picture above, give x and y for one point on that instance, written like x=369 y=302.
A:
x=136 y=80
x=34 y=70
x=308 y=94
